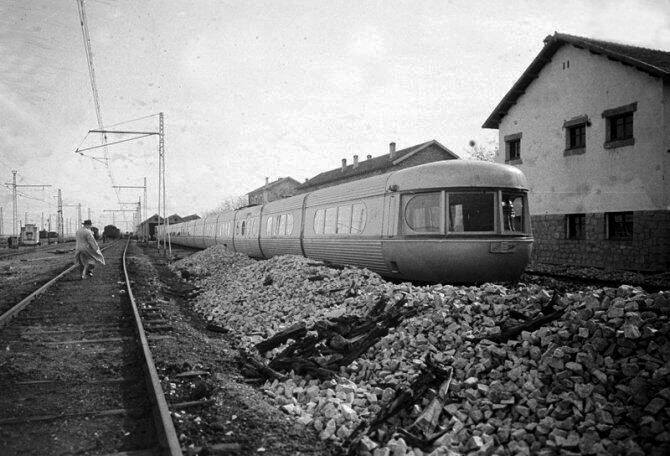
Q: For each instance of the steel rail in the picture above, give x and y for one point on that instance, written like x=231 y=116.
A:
x=168 y=436
x=11 y=313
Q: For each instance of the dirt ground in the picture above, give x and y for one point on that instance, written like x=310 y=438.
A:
x=22 y=274
x=240 y=419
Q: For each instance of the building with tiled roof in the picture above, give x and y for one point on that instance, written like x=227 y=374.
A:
x=419 y=154
x=588 y=122
x=283 y=187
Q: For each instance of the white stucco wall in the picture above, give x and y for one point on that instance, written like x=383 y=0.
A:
x=600 y=180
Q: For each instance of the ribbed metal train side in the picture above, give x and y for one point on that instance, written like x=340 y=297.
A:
x=363 y=249
x=273 y=243
x=225 y=226
x=247 y=224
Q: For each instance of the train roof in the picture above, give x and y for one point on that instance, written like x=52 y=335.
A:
x=458 y=173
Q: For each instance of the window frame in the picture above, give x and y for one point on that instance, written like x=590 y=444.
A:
x=609 y=221
x=406 y=229
x=575 y=227
x=573 y=147
x=498 y=229
x=497 y=197
x=611 y=116
x=513 y=143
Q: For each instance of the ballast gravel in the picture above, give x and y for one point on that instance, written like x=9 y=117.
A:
x=595 y=381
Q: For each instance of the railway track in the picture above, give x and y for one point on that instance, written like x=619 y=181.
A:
x=77 y=373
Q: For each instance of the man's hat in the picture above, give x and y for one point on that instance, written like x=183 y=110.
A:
x=87 y=222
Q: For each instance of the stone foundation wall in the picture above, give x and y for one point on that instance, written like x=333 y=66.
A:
x=648 y=250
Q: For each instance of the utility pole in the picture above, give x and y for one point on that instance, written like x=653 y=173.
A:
x=42 y=223
x=145 y=198
x=161 y=159
x=69 y=220
x=161 y=180
x=89 y=213
x=49 y=231
x=15 y=208
x=2 y=221
x=59 y=217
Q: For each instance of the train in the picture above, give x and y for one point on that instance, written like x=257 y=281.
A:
x=452 y=221
x=30 y=235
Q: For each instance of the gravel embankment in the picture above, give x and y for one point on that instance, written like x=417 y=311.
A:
x=595 y=381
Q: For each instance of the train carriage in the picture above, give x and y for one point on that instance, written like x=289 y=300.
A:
x=452 y=221
x=246 y=236
x=281 y=225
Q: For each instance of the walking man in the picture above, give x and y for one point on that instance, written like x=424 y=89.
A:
x=87 y=251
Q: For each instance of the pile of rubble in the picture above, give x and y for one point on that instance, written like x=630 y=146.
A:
x=595 y=379
x=259 y=298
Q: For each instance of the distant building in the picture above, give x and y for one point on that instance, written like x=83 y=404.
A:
x=427 y=152
x=272 y=191
x=588 y=123
x=188 y=218
x=147 y=228
x=174 y=219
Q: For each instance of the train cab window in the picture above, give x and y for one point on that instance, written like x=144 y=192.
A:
x=330 y=220
x=358 y=217
x=422 y=213
x=512 y=210
x=343 y=219
x=318 y=221
x=244 y=224
x=470 y=211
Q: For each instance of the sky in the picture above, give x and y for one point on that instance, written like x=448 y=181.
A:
x=256 y=89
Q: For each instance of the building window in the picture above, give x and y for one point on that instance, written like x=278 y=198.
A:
x=513 y=148
x=619 y=126
x=574 y=226
x=576 y=137
x=619 y=225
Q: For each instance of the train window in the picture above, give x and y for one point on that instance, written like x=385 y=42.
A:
x=268 y=227
x=289 y=224
x=244 y=222
x=282 y=225
x=470 y=211
x=512 y=209
x=318 y=221
x=344 y=219
x=422 y=212
x=330 y=222
x=358 y=217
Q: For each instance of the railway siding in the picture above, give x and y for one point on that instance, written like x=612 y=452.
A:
x=593 y=380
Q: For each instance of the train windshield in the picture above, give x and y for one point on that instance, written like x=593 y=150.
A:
x=470 y=211
x=464 y=211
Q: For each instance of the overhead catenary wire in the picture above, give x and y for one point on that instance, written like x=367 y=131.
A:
x=96 y=96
